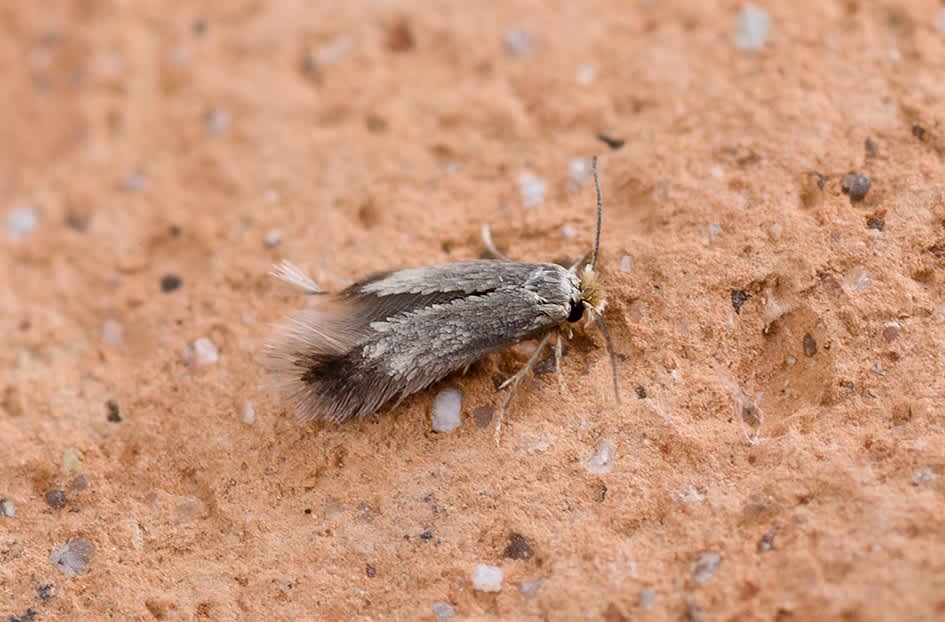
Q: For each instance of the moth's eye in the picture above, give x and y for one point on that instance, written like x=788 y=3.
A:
x=577 y=311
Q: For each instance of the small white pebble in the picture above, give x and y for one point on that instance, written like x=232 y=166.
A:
x=580 y=172
x=249 y=414
x=443 y=611
x=73 y=557
x=72 y=460
x=705 y=565
x=568 y=232
x=272 y=196
x=532 y=188
x=136 y=182
x=775 y=231
x=7 y=508
x=857 y=279
x=248 y=319
x=717 y=172
x=877 y=369
x=447 y=407
x=334 y=52
x=586 y=74
x=486 y=578
x=689 y=496
x=112 y=333
x=751 y=29
x=518 y=42
x=715 y=229
x=646 y=598
x=530 y=588
x=201 y=352
x=923 y=476
x=218 y=122
x=626 y=264
x=21 y=221
x=601 y=460
x=273 y=238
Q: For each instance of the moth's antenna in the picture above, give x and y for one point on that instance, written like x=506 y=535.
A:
x=600 y=214
x=599 y=320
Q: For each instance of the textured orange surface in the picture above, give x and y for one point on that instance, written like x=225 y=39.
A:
x=800 y=440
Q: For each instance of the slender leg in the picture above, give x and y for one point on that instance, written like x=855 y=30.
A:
x=490 y=246
x=562 y=385
x=513 y=383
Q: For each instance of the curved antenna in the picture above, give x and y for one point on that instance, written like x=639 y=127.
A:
x=600 y=214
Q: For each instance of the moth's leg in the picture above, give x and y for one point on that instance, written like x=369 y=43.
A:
x=490 y=247
x=562 y=385
x=513 y=383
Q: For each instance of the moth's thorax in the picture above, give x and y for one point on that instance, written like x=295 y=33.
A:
x=592 y=293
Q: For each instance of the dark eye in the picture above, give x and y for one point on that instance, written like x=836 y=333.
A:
x=577 y=312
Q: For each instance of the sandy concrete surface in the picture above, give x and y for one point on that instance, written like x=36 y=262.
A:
x=778 y=453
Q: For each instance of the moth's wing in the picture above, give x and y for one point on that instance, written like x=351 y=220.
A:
x=394 y=334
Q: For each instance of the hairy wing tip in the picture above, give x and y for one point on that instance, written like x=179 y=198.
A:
x=288 y=272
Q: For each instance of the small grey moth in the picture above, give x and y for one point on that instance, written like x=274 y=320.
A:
x=396 y=333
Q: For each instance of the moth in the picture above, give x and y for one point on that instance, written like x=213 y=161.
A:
x=395 y=333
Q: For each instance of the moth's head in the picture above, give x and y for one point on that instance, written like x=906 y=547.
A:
x=589 y=295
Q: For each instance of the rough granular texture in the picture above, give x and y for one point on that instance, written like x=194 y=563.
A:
x=381 y=135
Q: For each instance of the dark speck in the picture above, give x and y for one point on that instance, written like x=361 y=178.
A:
x=56 y=499
x=518 y=547
x=856 y=184
x=641 y=392
x=875 y=222
x=114 y=413
x=307 y=511
x=766 y=543
x=610 y=141
x=739 y=297
x=810 y=345
x=918 y=131
x=200 y=27
x=170 y=282
x=26 y=617
x=45 y=591
x=871 y=147
x=483 y=416
x=427 y=535
x=175 y=231
x=370 y=571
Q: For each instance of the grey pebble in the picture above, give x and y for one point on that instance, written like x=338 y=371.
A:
x=751 y=29
x=532 y=188
x=705 y=565
x=112 y=333
x=443 y=611
x=249 y=414
x=22 y=221
x=856 y=185
x=923 y=476
x=218 y=122
x=601 y=460
x=73 y=557
x=518 y=42
x=56 y=499
x=646 y=598
x=7 y=508
x=273 y=238
x=530 y=589
x=447 y=407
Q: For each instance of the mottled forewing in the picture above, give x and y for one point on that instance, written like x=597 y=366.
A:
x=394 y=334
